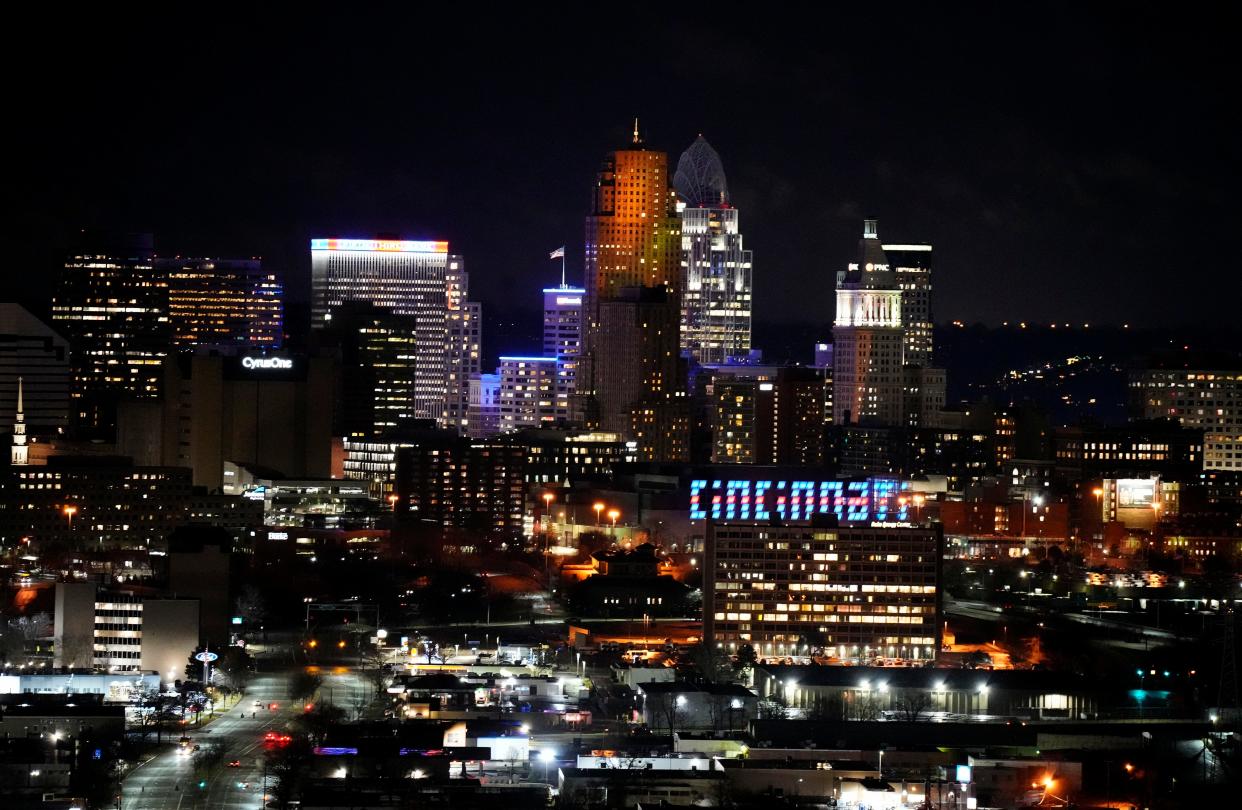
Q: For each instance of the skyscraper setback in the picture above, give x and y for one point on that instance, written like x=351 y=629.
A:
x=632 y=379
x=715 y=269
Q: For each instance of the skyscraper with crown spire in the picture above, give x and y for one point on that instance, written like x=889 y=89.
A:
x=19 y=456
x=715 y=268
x=631 y=379
x=868 y=340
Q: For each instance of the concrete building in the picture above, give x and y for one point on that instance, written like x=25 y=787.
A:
x=483 y=414
x=912 y=265
x=118 y=631
x=32 y=352
x=767 y=415
x=275 y=411
x=528 y=392
x=456 y=481
x=1201 y=398
x=856 y=589
x=562 y=337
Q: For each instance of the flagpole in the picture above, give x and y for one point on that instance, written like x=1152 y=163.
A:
x=562 y=268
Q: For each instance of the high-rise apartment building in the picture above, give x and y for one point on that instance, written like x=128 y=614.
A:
x=528 y=392
x=419 y=279
x=34 y=354
x=767 y=415
x=465 y=326
x=856 y=591
x=912 y=266
x=868 y=340
x=1206 y=399
x=223 y=304
x=715 y=268
x=631 y=379
x=111 y=304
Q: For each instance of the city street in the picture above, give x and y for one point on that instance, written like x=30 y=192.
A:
x=170 y=781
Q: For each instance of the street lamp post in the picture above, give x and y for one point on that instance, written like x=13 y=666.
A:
x=613 y=514
x=598 y=507
x=70 y=511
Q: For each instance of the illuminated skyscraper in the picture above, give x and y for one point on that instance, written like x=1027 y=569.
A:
x=562 y=337
x=379 y=370
x=465 y=326
x=224 y=303
x=409 y=278
x=111 y=304
x=715 y=269
x=912 y=265
x=631 y=378
x=527 y=392
x=868 y=340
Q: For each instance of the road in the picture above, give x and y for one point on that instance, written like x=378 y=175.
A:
x=170 y=782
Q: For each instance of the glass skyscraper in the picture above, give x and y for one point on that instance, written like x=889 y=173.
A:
x=715 y=268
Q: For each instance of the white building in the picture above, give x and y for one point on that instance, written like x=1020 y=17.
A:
x=715 y=268
x=420 y=279
x=1204 y=399
x=114 y=631
x=528 y=392
x=562 y=337
x=868 y=377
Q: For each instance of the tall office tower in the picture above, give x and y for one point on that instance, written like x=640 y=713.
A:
x=631 y=378
x=528 y=392
x=912 y=265
x=111 y=304
x=868 y=340
x=1208 y=398
x=562 y=337
x=464 y=348
x=33 y=353
x=224 y=303
x=379 y=370
x=410 y=278
x=715 y=269
x=767 y=415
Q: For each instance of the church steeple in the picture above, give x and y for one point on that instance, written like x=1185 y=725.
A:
x=19 y=454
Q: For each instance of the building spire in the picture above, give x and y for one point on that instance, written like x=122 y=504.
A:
x=18 y=455
x=637 y=138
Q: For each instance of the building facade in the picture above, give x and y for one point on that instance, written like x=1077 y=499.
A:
x=1204 y=399
x=528 y=392
x=844 y=590
x=716 y=269
x=111 y=303
x=38 y=357
x=912 y=265
x=631 y=379
x=450 y=480
x=562 y=337
x=418 y=279
x=223 y=304
x=868 y=340
x=767 y=415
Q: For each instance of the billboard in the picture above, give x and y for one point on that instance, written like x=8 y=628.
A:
x=1136 y=492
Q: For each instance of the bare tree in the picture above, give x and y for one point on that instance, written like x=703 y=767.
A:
x=913 y=705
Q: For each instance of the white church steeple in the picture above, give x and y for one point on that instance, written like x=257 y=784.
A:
x=20 y=455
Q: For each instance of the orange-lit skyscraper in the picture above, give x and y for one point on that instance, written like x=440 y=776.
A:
x=632 y=378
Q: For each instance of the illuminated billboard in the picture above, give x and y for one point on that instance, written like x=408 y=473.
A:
x=881 y=500
x=1136 y=492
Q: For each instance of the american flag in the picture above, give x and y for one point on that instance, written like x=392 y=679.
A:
x=559 y=253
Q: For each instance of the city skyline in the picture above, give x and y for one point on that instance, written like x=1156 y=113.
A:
x=1033 y=169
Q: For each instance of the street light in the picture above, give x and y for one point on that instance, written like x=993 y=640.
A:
x=70 y=511
x=598 y=507
x=392 y=500
x=613 y=514
x=546 y=756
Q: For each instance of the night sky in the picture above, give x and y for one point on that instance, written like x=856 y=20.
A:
x=1067 y=165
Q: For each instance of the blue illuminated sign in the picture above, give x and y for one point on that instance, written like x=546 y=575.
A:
x=861 y=501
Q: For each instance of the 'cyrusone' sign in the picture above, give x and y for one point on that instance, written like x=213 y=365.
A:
x=266 y=362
